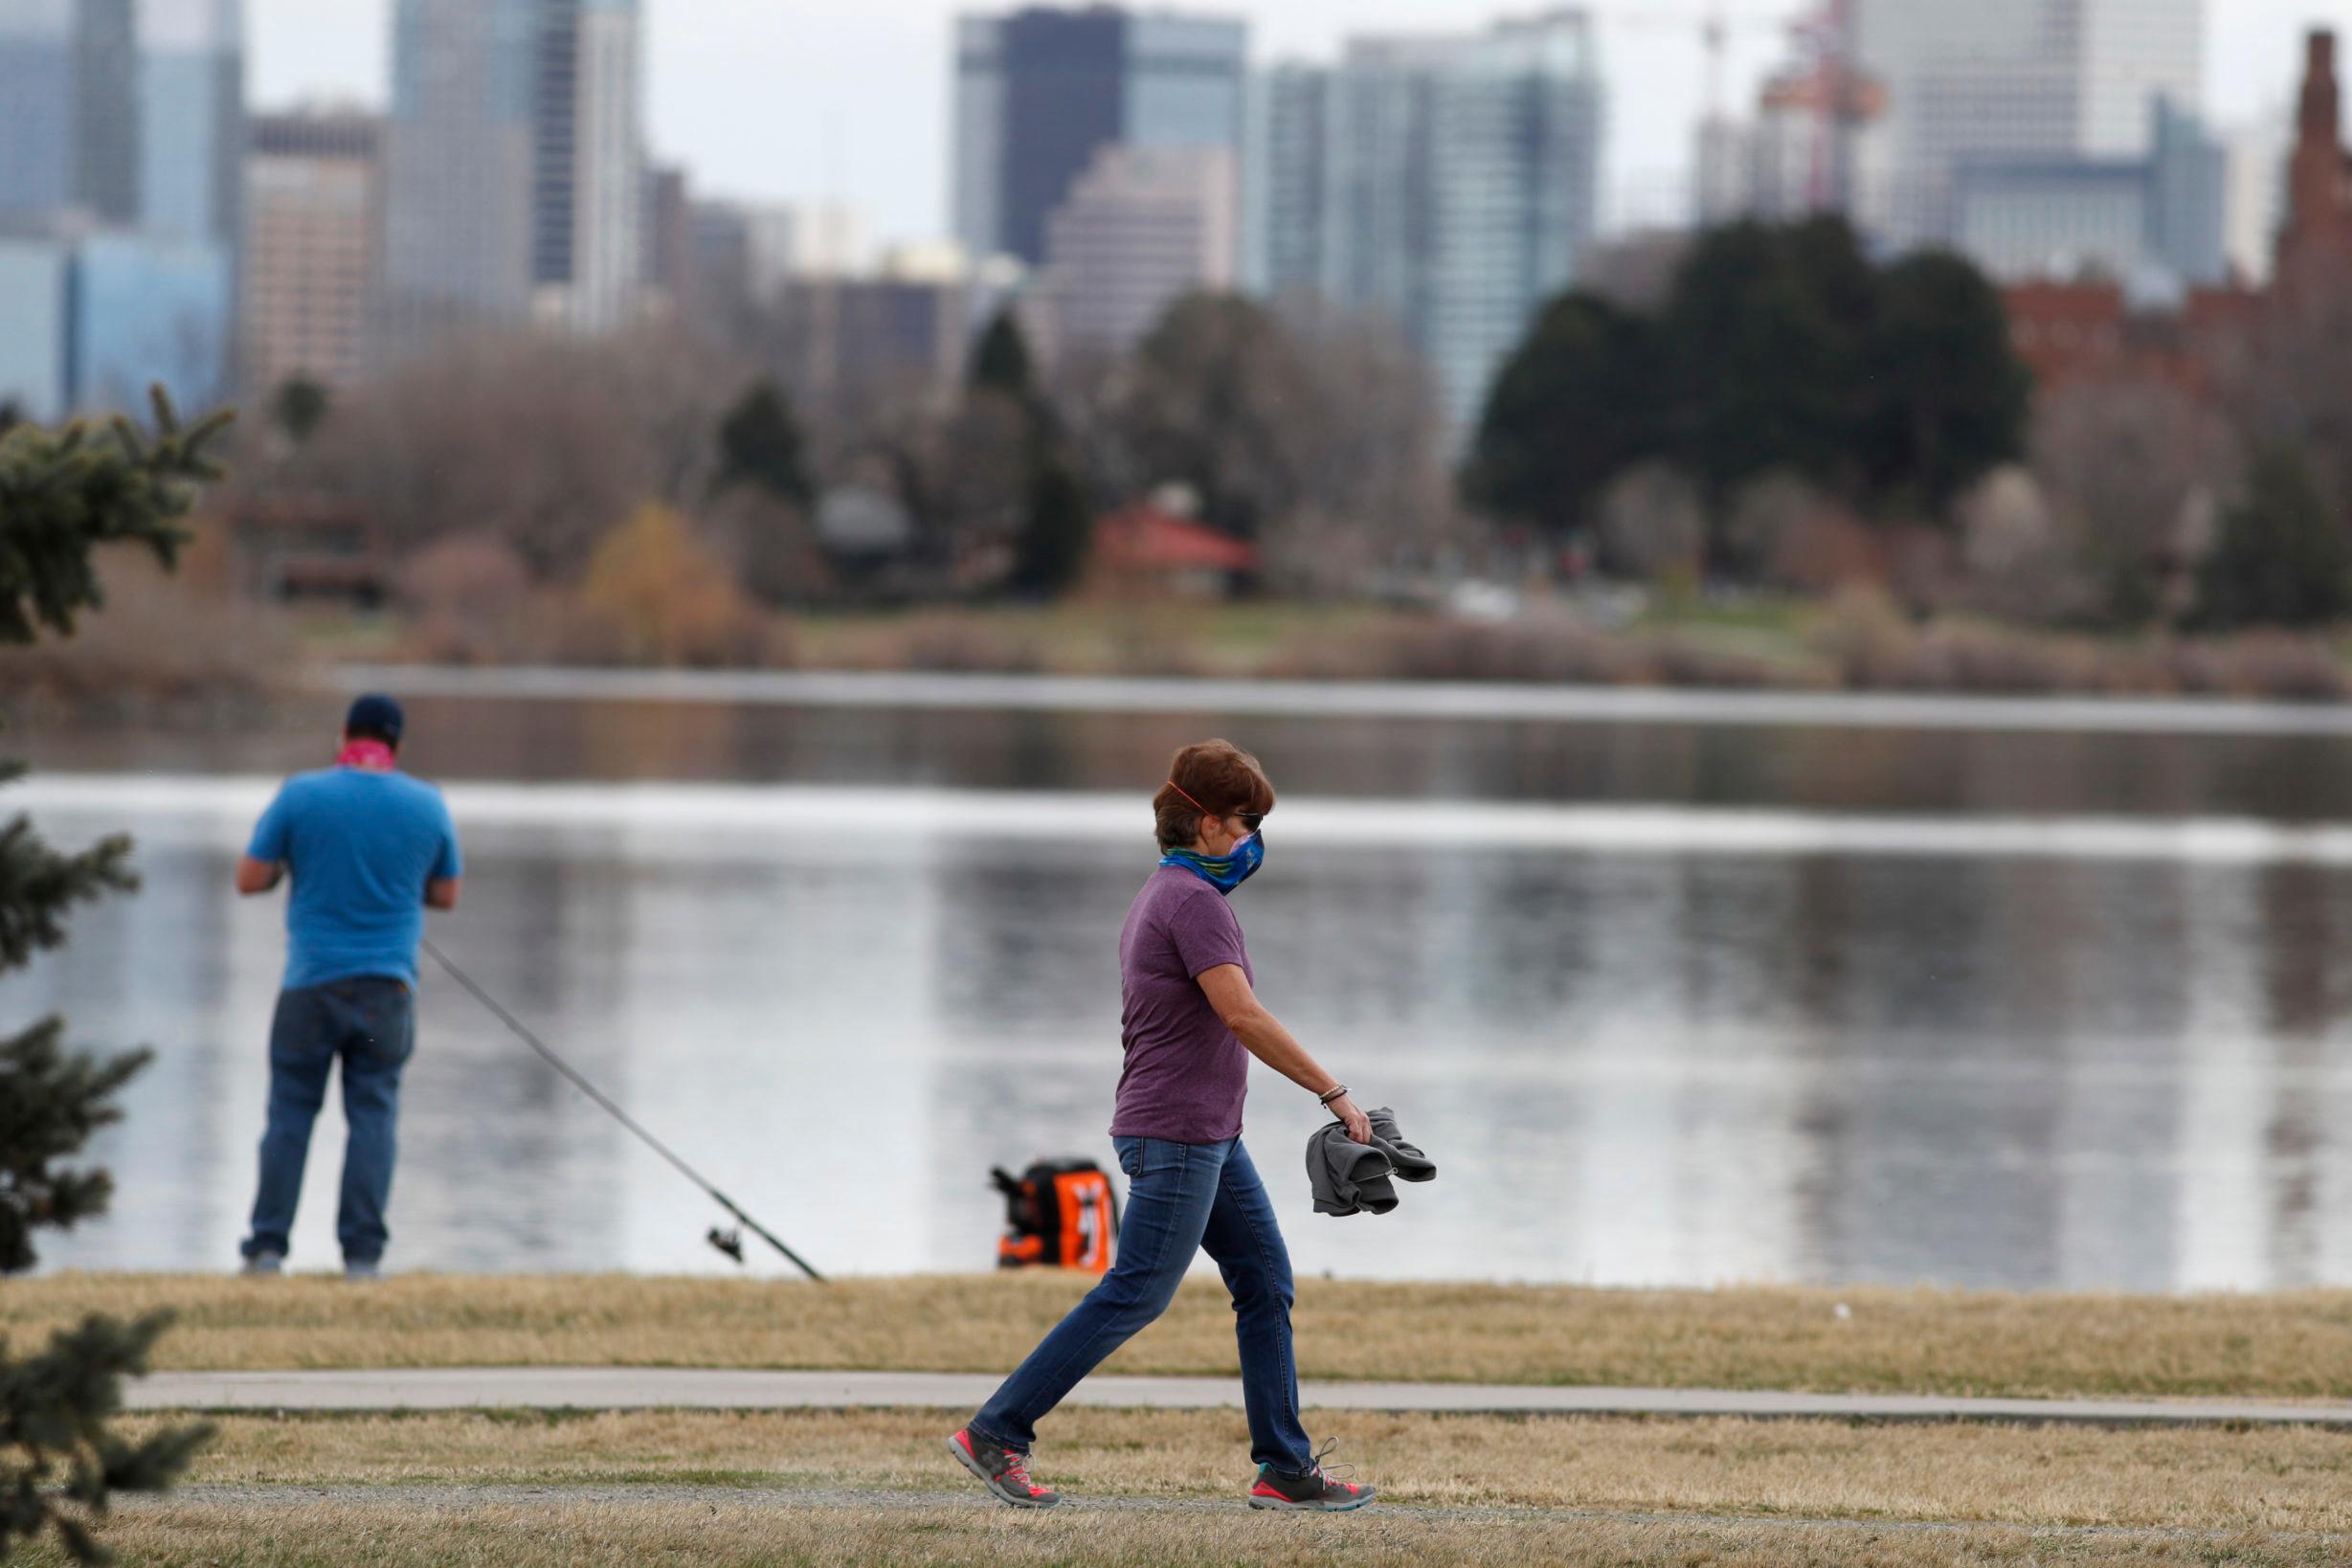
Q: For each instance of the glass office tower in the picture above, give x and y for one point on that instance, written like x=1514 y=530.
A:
x=1448 y=181
x=1038 y=92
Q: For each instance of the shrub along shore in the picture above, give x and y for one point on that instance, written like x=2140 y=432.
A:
x=1858 y=642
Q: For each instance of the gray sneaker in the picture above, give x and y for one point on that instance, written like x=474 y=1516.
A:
x=1002 y=1470
x=362 y=1271
x=1314 y=1490
x=263 y=1264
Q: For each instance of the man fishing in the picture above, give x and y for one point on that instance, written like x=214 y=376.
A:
x=370 y=849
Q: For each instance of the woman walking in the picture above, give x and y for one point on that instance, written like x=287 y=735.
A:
x=1188 y=1016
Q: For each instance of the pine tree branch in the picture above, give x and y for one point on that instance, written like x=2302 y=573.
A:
x=38 y=885
x=54 y=1407
x=62 y=494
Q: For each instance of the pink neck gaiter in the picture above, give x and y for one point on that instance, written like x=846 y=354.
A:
x=371 y=754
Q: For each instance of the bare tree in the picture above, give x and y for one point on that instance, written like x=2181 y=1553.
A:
x=1313 y=430
x=1371 y=452
x=544 y=443
x=2129 y=468
x=1653 y=525
x=2292 y=386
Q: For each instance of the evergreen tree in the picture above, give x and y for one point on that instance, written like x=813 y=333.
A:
x=1000 y=361
x=1779 y=348
x=300 y=406
x=760 y=444
x=1057 y=534
x=2284 y=558
x=1768 y=329
x=1947 y=397
x=1582 y=399
x=61 y=495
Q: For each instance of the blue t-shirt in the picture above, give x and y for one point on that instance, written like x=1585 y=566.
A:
x=360 y=844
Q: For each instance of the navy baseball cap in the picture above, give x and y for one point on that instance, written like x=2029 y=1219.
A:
x=377 y=714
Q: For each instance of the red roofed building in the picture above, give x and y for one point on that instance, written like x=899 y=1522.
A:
x=2213 y=342
x=2067 y=331
x=1146 y=549
x=2087 y=331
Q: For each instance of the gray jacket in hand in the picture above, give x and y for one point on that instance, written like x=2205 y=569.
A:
x=1351 y=1177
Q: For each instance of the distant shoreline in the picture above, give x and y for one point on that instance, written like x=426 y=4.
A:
x=1429 y=700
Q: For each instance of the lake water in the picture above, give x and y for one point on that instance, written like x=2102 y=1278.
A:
x=1672 y=996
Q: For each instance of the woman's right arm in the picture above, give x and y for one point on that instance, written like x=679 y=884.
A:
x=1261 y=1034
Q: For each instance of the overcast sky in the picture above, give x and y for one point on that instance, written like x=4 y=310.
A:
x=848 y=99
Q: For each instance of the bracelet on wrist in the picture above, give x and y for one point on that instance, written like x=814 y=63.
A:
x=1330 y=1094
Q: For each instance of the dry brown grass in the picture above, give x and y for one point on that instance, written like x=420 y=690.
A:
x=160 y=647
x=2287 y=1346
x=2265 y=1480
x=555 y=1532
x=1400 y=649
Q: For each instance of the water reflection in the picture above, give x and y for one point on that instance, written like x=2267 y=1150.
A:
x=1798 y=763
x=1671 y=1064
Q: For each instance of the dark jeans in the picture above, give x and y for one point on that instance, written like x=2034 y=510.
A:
x=370 y=1023
x=1179 y=1196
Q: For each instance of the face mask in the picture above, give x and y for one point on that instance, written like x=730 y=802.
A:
x=1222 y=874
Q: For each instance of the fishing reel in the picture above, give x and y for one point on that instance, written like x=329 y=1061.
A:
x=729 y=1242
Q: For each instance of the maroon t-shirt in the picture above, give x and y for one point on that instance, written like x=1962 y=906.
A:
x=1185 y=1072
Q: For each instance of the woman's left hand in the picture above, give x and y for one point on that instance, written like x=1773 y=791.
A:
x=1358 y=1124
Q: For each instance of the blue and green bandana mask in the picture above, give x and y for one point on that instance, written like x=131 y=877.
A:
x=1225 y=874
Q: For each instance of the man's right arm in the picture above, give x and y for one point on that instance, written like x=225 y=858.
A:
x=264 y=865
x=448 y=873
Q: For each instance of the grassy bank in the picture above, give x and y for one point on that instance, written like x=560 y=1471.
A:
x=1858 y=643
x=1954 y=1473
x=556 y=1530
x=1163 y=1487
x=2285 y=1346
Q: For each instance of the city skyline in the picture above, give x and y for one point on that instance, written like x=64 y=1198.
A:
x=823 y=135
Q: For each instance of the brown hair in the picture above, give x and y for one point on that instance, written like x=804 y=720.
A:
x=1220 y=778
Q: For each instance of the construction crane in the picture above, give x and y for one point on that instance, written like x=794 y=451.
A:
x=1824 y=80
x=1830 y=83
x=1713 y=25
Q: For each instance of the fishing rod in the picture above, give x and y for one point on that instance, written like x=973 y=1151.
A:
x=730 y=1242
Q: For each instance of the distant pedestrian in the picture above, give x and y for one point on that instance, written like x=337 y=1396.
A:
x=370 y=849
x=1190 y=1021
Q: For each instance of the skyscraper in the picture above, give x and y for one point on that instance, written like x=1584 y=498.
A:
x=1994 y=80
x=149 y=309
x=191 y=118
x=457 y=167
x=69 y=108
x=91 y=318
x=1038 y=92
x=120 y=174
x=1450 y=181
x=1141 y=228
x=313 y=233
x=35 y=299
x=588 y=190
x=514 y=171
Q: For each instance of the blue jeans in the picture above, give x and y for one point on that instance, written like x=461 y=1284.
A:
x=369 y=1022
x=1179 y=1196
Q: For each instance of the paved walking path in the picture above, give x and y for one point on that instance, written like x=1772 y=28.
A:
x=704 y=1388
x=462 y=1500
